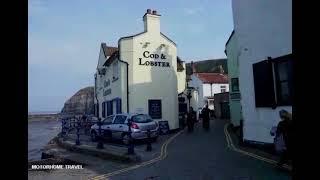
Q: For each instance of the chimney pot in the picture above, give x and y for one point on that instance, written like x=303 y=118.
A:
x=148 y=11
x=154 y=12
x=193 y=67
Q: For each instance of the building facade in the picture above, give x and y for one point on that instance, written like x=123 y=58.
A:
x=221 y=105
x=142 y=75
x=264 y=48
x=206 y=85
x=233 y=73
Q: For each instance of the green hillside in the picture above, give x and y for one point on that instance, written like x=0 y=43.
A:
x=211 y=65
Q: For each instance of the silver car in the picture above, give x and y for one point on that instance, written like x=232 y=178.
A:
x=116 y=127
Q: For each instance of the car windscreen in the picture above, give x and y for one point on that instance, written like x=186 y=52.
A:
x=141 y=118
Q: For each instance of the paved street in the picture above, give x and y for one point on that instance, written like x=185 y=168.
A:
x=204 y=155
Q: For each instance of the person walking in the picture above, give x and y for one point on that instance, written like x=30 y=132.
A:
x=206 y=117
x=282 y=140
x=190 y=119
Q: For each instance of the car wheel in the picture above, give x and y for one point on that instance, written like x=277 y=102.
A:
x=108 y=135
x=125 y=138
x=93 y=136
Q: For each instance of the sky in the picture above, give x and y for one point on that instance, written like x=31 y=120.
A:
x=64 y=38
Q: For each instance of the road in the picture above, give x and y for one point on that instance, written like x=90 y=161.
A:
x=204 y=155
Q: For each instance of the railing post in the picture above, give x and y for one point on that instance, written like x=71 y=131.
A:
x=149 y=147
x=100 y=143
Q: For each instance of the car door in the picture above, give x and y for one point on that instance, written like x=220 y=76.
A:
x=107 y=124
x=119 y=126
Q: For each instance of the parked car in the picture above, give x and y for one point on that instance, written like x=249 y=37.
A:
x=116 y=127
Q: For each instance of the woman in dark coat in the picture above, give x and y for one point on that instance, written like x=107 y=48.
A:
x=206 y=117
x=190 y=119
x=284 y=128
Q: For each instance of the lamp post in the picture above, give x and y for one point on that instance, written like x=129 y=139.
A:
x=100 y=143
x=189 y=96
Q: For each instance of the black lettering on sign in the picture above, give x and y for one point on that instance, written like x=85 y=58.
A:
x=163 y=64
x=147 y=63
x=163 y=56
x=168 y=65
x=152 y=63
x=145 y=54
x=140 y=59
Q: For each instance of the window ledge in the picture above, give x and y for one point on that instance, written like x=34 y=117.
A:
x=115 y=79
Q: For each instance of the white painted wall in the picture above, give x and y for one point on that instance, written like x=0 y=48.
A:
x=204 y=90
x=264 y=28
x=147 y=82
x=213 y=89
x=152 y=82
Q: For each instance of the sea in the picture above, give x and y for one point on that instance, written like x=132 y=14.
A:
x=40 y=133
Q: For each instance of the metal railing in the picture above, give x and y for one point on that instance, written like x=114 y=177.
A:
x=83 y=123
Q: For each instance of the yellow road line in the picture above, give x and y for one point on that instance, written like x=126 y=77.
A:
x=231 y=146
x=162 y=155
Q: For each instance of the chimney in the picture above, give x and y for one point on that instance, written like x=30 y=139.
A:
x=193 y=66
x=151 y=22
x=221 y=70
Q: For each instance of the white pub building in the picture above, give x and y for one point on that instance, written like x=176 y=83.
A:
x=142 y=75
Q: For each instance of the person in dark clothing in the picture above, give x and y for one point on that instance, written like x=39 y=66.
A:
x=284 y=128
x=206 y=117
x=190 y=119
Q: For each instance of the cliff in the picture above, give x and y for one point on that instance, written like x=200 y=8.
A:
x=207 y=66
x=80 y=103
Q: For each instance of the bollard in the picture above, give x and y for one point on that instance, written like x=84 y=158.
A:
x=100 y=144
x=149 y=147
x=130 y=145
x=78 y=133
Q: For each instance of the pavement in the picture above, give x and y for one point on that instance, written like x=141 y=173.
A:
x=93 y=165
x=199 y=155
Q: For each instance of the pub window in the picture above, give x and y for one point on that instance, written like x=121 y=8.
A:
x=223 y=89
x=283 y=76
x=273 y=82
x=235 y=84
x=103 y=109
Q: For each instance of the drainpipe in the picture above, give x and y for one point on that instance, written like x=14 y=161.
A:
x=95 y=92
x=127 y=73
x=127 y=82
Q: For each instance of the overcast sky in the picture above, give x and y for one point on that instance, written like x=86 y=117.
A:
x=64 y=38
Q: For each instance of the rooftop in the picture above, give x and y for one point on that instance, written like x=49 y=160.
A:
x=214 y=78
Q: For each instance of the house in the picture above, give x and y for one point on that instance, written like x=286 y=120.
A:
x=206 y=85
x=263 y=52
x=142 y=75
x=233 y=73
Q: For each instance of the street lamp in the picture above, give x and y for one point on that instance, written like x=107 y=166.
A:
x=189 y=96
